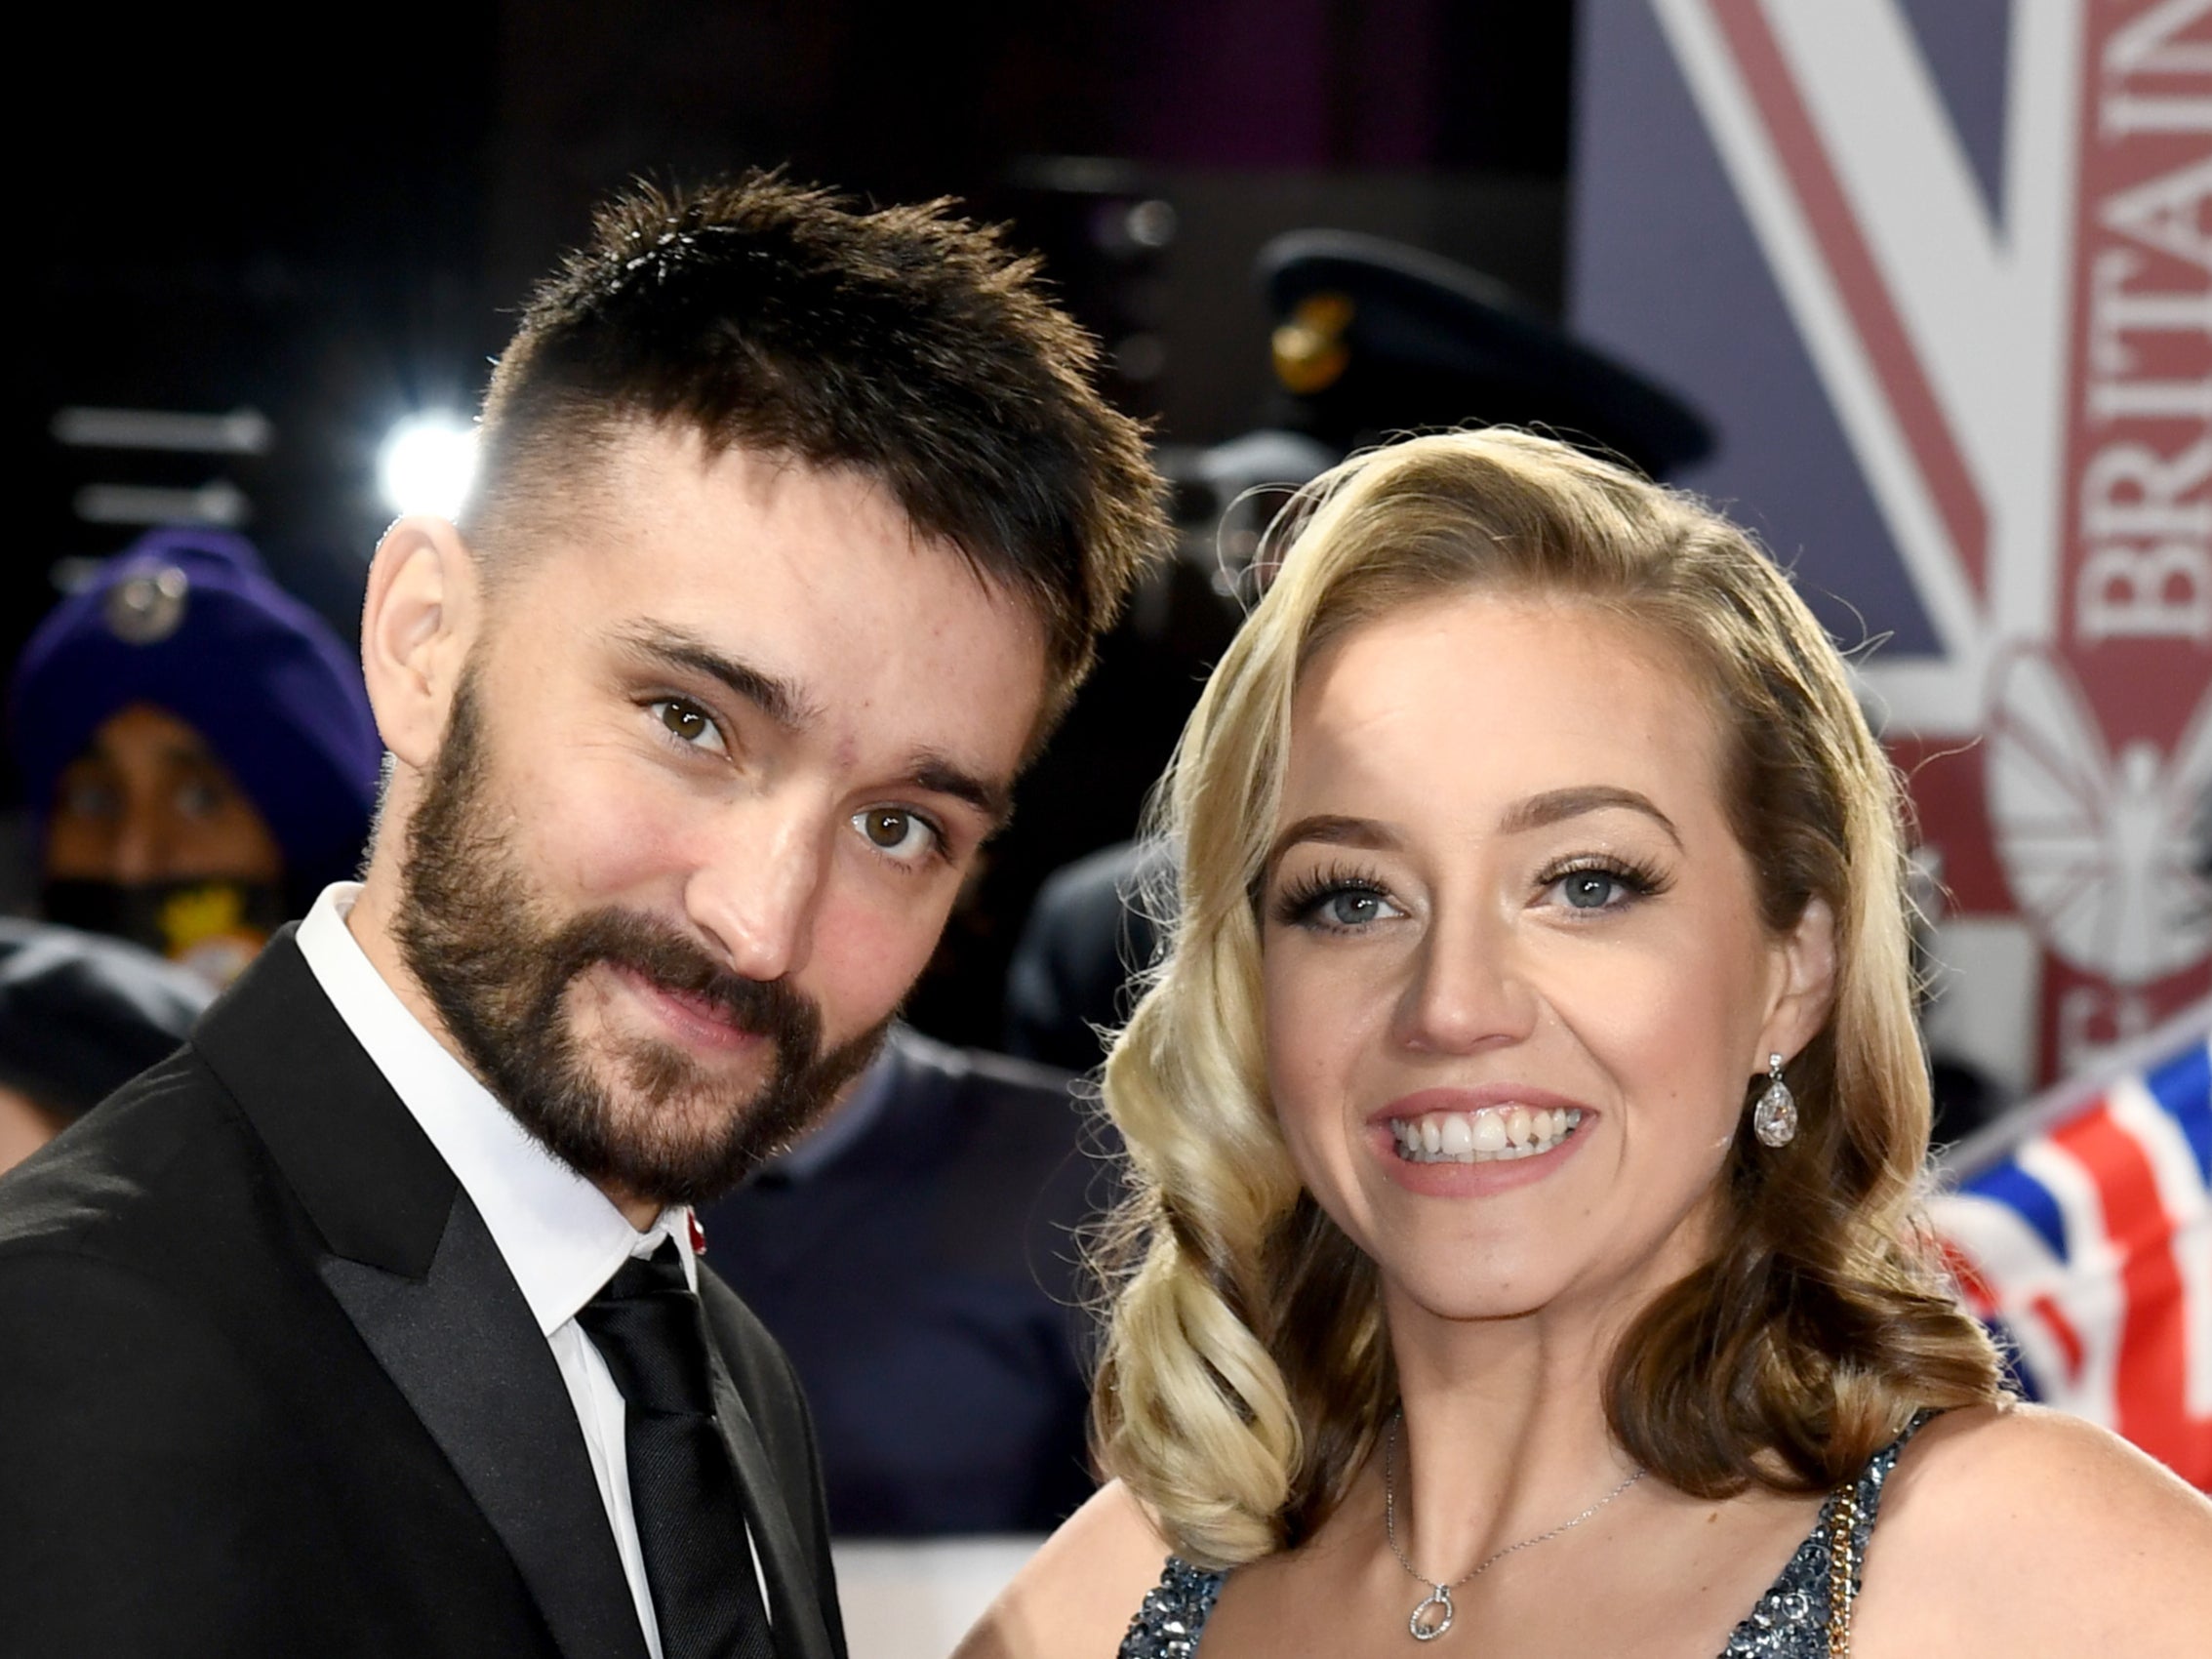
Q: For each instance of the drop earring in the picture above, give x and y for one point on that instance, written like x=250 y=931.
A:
x=1775 y=1118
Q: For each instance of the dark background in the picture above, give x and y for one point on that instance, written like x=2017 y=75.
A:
x=329 y=215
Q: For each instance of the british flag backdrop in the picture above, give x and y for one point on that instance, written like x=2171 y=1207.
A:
x=2080 y=1230
x=1942 y=272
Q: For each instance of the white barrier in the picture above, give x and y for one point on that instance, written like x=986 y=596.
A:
x=913 y=1599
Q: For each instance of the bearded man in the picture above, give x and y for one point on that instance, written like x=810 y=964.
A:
x=371 y=1322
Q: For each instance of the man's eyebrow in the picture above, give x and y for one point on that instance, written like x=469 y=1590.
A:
x=1554 y=806
x=1335 y=830
x=941 y=777
x=173 y=752
x=780 y=700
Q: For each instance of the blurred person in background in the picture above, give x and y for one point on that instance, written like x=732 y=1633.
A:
x=196 y=750
x=916 y=1255
x=80 y=1016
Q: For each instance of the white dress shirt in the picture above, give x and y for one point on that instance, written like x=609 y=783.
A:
x=561 y=1237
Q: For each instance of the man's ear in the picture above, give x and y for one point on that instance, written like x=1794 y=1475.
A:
x=418 y=621
x=1806 y=987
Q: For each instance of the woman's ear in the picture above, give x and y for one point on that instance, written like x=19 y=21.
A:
x=1805 y=987
x=418 y=621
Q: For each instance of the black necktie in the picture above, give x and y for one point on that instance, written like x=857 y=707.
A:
x=683 y=1490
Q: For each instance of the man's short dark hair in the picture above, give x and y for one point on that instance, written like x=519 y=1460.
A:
x=904 y=343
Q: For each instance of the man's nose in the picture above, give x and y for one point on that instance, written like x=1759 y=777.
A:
x=141 y=851
x=1468 y=989
x=757 y=888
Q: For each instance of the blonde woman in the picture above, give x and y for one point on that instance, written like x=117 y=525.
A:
x=1525 y=1130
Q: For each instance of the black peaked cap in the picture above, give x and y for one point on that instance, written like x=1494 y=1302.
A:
x=1373 y=338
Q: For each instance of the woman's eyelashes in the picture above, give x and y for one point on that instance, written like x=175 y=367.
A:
x=1342 y=899
x=1335 y=900
x=1593 y=884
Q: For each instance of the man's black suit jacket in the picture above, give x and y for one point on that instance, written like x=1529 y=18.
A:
x=267 y=1386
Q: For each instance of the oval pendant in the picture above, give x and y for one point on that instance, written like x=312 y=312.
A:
x=1433 y=1617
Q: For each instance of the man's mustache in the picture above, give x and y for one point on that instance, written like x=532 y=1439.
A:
x=666 y=958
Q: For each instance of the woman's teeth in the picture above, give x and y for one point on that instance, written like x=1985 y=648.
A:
x=1490 y=1135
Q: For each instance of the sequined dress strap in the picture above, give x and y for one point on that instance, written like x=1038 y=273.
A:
x=1790 y=1619
x=1174 y=1611
x=1789 y=1622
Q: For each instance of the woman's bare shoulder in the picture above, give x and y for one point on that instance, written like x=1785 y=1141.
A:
x=1079 y=1592
x=2019 y=1531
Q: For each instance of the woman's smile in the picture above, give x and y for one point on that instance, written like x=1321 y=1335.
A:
x=1475 y=1143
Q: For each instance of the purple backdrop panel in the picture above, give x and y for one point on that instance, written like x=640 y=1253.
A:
x=1664 y=270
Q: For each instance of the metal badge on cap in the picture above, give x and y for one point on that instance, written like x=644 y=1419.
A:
x=146 y=608
x=1310 y=349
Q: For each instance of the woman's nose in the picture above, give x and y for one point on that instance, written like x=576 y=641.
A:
x=1469 y=991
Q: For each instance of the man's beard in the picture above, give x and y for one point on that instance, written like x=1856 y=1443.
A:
x=498 y=971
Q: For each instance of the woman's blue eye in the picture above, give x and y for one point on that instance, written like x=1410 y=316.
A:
x=1335 y=899
x=1351 y=907
x=1589 y=889
x=1600 y=888
x=1335 y=907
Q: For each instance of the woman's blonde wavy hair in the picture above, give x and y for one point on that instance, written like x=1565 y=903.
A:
x=1247 y=1372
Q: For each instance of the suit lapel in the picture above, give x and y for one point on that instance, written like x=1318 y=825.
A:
x=786 y=1564
x=463 y=1346
x=419 y=1274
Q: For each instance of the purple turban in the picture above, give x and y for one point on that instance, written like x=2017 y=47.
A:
x=189 y=621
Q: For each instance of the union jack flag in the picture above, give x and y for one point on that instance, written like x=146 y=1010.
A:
x=2081 y=1232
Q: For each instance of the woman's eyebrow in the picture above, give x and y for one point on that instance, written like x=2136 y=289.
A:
x=1335 y=830
x=1555 y=805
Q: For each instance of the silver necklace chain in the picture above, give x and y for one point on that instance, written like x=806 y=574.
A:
x=1434 y=1616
